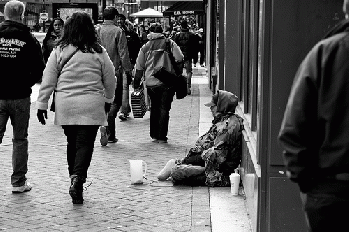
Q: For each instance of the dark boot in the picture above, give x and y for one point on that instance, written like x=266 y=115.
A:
x=76 y=189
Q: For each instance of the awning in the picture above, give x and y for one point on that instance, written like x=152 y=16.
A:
x=185 y=8
x=147 y=13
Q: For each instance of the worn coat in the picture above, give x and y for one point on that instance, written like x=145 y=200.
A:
x=314 y=130
x=86 y=82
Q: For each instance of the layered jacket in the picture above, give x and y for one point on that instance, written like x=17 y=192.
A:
x=86 y=82
x=145 y=61
x=21 y=60
x=218 y=150
x=314 y=130
x=48 y=44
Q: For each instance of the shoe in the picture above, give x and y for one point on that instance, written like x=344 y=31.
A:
x=202 y=65
x=104 y=136
x=113 y=140
x=189 y=91
x=21 y=189
x=195 y=65
x=161 y=141
x=76 y=190
x=154 y=140
x=123 y=117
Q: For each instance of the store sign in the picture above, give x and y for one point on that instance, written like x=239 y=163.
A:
x=43 y=16
x=183 y=12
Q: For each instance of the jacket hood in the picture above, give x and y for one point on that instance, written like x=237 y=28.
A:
x=342 y=26
x=226 y=102
x=152 y=36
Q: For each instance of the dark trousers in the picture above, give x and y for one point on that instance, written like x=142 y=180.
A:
x=326 y=206
x=161 y=98
x=80 y=144
x=116 y=105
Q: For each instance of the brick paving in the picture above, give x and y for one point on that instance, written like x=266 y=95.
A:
x=111 y=202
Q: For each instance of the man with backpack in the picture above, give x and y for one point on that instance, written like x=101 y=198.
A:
x=188 y=44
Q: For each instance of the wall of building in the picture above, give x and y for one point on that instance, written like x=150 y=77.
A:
x=259 y=46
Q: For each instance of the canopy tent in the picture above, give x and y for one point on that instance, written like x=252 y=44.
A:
x=185 y=8
x=147 y=13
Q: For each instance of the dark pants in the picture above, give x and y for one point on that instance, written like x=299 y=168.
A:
x=326 y=206
x=18 y=111
x=80 y=144
x=116 y=105
x=161 y=98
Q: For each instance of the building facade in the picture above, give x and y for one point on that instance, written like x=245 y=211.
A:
x=254 y=50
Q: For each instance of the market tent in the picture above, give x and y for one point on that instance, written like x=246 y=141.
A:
x=185 y=8
x=148 y=13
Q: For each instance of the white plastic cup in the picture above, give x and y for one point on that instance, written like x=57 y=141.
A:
x=234 y=183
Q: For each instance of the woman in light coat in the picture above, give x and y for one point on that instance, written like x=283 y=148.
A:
x=84 y=90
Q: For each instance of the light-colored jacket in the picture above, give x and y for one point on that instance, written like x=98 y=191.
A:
x=113 y=38
x=145 y=59
x=86 y=82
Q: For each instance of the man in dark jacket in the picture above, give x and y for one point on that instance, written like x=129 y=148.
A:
x=188 y=44
x=314 y=131
x=18 y=47
x=133 y=44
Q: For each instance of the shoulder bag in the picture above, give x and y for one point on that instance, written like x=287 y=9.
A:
x=53 y=105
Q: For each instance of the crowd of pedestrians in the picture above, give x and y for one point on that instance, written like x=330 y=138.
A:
x=88 y=68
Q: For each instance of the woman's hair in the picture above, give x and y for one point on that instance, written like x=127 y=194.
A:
x=80 y=32
x=50 y=29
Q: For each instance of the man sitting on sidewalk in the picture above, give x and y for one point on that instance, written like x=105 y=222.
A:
x=217 y=153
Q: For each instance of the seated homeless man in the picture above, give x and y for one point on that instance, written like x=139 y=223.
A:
x=216 y=154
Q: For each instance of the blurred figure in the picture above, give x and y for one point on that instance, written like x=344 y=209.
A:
x=142 y=34
x=21 y=69
x=113 y=38
x=189 y=45
x=133 y=44
x=84 y=92
x=201 y=48
x=161 y=95
x=52 y=36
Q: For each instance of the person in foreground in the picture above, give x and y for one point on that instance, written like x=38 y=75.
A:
x=217 y=153
x=314 y=131
x=84 y=92
x=150 y=57
x=22 y=64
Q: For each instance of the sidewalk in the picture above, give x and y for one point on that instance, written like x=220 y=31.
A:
x=111 y=202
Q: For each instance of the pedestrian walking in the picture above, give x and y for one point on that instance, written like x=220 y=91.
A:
x=133 y=45
x=161 y=96
x=188 y=44
x=22 y=64
x=52 y=36
x=201 y=48
x=113 y=38
x=314 y=130
x=84 y=91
